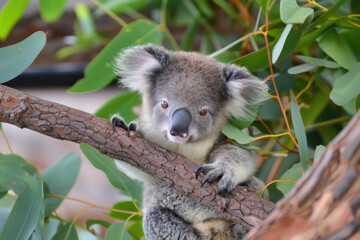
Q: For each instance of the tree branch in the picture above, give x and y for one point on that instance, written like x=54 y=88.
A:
x=242 y=206
x=325 y=203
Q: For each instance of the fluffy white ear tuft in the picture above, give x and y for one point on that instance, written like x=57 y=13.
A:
x=245 y=90
x=135 y=65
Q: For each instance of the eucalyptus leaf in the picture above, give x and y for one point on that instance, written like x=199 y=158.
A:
x=67 y=232
x=10 y=14
x=318 y=62
x=13 y=177
x=294 y=174
x=338 y=49
x=122 y=104
x=107 y=165
x=136 y=229
x=318 y=151
x=61 y=184
x=100 y=72
x=236 y=134
x=117 y=231
x=24 y=216
x=128 y=206
x=51 y=10
x=280 y=43
x=300 y=132
x=301 y=68
x=91 y=222
x=346 y=87
x=16 y=58
x=291 y=13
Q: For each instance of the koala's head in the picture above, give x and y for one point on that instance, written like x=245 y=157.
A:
x=186 y=96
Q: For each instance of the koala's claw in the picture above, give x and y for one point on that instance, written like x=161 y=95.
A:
x=227 y=183
x=202 y=170
x=117 y=121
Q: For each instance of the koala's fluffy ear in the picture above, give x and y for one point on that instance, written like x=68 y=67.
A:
x=135 y=65
x=245 y=90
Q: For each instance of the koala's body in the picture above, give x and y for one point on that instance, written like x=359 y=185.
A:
x=187 y=99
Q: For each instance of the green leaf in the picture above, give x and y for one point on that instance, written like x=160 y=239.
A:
x=16 y=58
x=324 y=17
x=352 y=37
x=10 y=14
x=117 y=231
x=294 y=173
x=121 y=104
x=13 y=177
x=12 y=159
x=318 y=151
x=321 y=98
x=280 y=43
x=128 y=206
x=189 y=35
x=91 y=222
x=265 y=4
x=226 y=7
x=236 y=134
x=300 y=132
x=61 y=184
x=121 y=6
x=3 y=193
x=107 y=165
x=40 y=227
x=67 y=232
x=99 y=73
x=301 y=68
x=346 y=87
x=338 y=49
x=51 y=10
x=24 y=216
x=318 y=62
x=291 y=13
x=357 y=103
x=270 y=110
x=137 y=230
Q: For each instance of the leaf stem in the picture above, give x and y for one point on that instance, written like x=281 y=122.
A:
x=273 y=79
x=164 y=27
x=94 y=205
x=112 y=15
x=6 y=140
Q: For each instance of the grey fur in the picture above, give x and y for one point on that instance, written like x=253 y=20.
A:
x=192 y=82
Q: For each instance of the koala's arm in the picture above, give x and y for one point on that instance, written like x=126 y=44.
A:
x=233 y=164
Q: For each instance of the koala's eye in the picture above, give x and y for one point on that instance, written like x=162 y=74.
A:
x=203 y=112
x=164 y=104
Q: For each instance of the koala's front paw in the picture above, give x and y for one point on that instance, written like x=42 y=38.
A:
x=117 y=121
x=213 y=171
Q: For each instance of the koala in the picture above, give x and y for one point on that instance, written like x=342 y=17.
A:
x=187 y=99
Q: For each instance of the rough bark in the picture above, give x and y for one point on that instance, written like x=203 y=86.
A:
x=325 y=204
x=58 y=121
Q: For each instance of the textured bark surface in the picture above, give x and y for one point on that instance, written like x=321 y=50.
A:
x=325 y=204
x=58 y=121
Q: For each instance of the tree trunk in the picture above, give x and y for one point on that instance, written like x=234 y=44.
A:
x=58 y=121
x=325 y=203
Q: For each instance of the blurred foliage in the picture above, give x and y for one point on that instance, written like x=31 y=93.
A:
x=306 y=51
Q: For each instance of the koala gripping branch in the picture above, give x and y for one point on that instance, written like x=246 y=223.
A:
x=58 y=121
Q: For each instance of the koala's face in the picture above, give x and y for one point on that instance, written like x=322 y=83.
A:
x=188 y=97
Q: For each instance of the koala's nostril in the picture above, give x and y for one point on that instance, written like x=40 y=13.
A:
x=173 y=133
x=184 y=135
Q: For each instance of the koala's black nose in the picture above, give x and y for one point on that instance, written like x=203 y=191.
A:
x=181 y=120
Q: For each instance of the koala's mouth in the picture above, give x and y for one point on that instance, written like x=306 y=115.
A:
x=177 y=139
